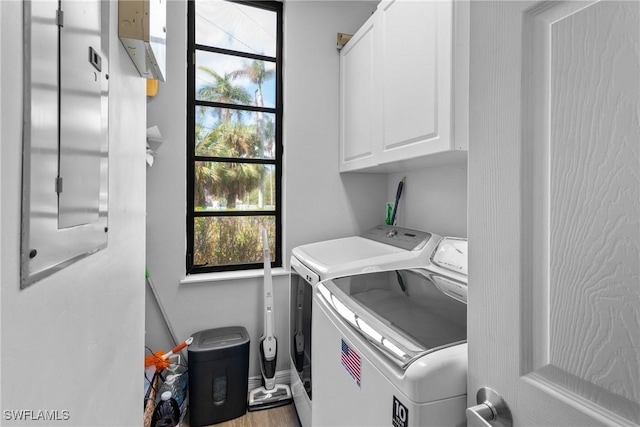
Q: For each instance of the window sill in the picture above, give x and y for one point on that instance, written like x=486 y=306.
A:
x=230 y=275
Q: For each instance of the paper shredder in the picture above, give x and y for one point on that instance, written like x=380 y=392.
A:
x=218 y=375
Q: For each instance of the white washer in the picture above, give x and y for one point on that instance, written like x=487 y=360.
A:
x=375 y=250
x=390 y=346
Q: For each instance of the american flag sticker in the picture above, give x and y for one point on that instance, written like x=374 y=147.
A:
x=351 y=362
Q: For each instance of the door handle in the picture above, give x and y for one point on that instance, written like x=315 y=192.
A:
x=491 y=410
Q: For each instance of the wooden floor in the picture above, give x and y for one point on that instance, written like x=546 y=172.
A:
x=284 y=416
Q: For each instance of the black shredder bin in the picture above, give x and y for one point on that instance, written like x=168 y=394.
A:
x=218 y=375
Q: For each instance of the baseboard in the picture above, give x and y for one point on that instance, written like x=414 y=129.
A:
x=282 y=377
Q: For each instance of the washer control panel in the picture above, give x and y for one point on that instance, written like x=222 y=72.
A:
x=404 y=238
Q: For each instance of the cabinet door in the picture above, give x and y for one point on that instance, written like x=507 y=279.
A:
x=359 y=108
x=416 y=77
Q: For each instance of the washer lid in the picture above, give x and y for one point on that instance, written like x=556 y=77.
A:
x=343 y=251
x=402 y=312
x=370 y=252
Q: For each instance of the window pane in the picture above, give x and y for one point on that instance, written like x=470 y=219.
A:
x=231 y=240
x=233 y=150
x=236 y=27
x=222 y=132
x=235 y=80
x=221 y=186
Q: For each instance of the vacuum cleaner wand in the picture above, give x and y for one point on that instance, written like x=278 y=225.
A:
x=268 y=342
x=271 y=394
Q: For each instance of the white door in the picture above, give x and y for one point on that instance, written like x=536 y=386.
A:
x=554 y=210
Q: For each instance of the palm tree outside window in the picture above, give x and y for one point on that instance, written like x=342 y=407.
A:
x=234 y=149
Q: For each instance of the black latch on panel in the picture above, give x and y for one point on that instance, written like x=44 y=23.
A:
x=95 y=59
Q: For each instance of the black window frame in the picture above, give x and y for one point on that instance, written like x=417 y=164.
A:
x=192 y=158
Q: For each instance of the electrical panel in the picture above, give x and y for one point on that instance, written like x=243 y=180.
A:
x=65 y=135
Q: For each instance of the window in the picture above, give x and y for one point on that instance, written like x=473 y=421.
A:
x=234 y=134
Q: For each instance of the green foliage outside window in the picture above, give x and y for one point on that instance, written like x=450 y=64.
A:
x=235 y=168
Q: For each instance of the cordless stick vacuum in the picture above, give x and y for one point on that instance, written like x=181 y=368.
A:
x=270 y=395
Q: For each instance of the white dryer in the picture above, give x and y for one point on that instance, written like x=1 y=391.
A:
x=375 y=250
x=390 y=346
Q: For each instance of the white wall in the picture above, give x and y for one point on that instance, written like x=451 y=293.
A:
x=433 y=199
x=166 y=196
x=74 y=341
x=318 y=203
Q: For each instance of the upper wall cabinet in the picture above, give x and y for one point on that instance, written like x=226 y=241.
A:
x=404 y=87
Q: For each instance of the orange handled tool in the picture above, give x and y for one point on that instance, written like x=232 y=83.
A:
x=161 y=359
